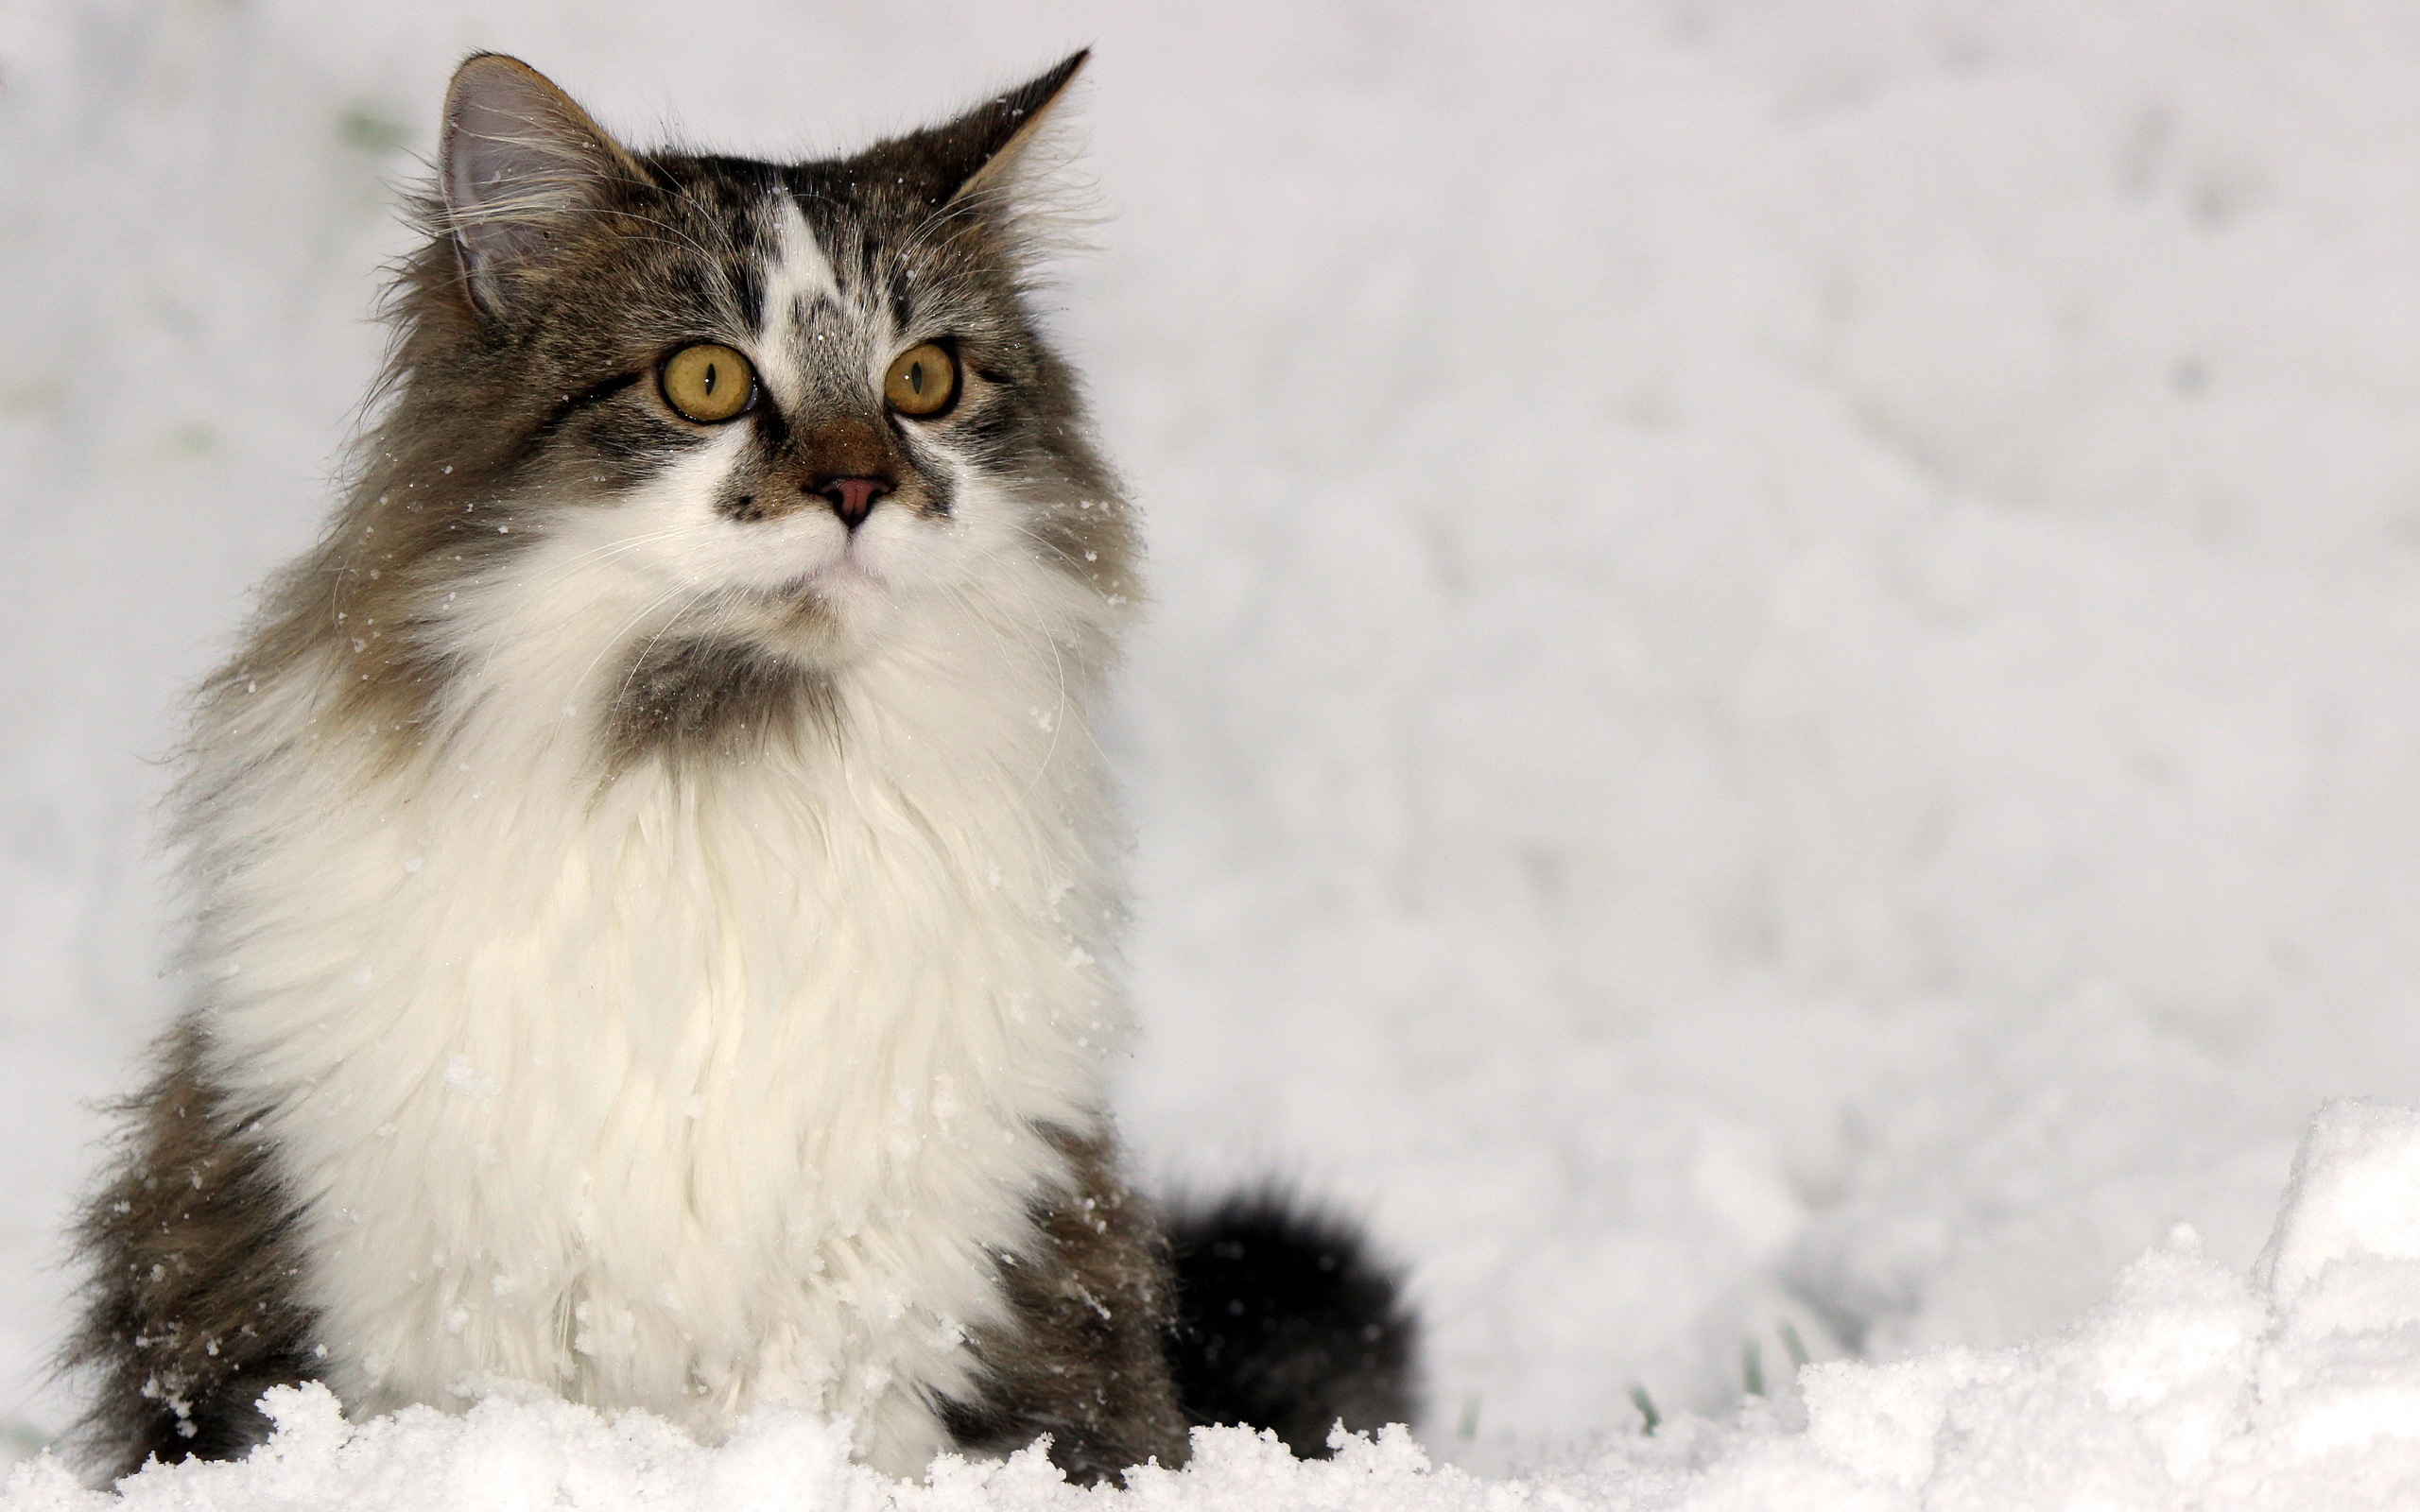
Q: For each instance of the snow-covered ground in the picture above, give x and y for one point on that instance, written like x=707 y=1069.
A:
x=1785 y=701
x=2189 y=1389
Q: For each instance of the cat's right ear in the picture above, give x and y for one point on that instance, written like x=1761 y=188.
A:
x=516 y=158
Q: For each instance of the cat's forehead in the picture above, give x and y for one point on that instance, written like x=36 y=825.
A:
x=817 y=262
x=808 y=329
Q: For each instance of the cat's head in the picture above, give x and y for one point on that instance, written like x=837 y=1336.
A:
x=768 y=404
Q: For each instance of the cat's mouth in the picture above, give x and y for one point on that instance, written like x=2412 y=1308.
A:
x=798 y=558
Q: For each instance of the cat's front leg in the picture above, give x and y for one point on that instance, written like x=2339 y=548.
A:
x=195 y=1306
x=1084 y=1356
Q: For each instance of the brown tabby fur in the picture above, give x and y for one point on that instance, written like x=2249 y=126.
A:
x=191 y=1310
x=1087 y=1361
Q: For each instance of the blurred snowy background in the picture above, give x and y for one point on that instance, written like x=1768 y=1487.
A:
x=1786 y=685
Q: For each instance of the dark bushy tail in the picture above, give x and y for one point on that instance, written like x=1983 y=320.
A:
x=1286 y=1321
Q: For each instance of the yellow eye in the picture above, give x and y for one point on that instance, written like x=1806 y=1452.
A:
x=708 y=383
x=922 y=382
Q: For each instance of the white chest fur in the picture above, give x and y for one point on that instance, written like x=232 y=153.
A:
x=691 y=1092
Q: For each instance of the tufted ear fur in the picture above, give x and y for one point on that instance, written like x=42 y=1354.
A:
x=980 y=156
x=516 y=156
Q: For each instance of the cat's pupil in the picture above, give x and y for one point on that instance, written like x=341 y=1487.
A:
x=916 y=376
x=712 y=372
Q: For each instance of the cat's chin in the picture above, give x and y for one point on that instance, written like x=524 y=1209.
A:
x=843 y=580
x=827 y=617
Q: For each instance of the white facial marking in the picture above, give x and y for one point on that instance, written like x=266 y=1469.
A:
x=796 y=276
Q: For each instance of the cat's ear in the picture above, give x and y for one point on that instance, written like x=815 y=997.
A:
x=516 y=157
x=983 y=153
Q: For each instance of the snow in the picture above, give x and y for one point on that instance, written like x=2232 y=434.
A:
x=1780 y=689
x=2190 y=1386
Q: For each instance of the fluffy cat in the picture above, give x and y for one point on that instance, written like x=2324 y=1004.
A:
x=653 y=872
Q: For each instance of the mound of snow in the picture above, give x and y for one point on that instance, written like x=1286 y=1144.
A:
x=2190 y=1386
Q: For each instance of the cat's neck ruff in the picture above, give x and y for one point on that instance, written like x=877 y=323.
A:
x=688 y=1086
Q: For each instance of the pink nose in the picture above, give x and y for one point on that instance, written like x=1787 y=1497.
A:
x=853 y=499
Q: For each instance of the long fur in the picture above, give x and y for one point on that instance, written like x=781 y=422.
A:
x=550 y=1065
x=651 y=936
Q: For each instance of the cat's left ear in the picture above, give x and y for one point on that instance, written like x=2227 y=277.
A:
x=517 y=159
x=983 y=153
